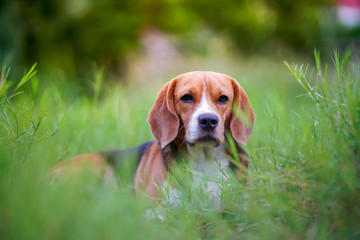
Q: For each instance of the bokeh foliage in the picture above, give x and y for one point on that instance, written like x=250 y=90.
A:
x=71 y=34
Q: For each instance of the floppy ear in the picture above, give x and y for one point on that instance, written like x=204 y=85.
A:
x=164 y=122
x=243 y=117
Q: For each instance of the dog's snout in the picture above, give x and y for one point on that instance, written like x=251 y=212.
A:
x=208 y=122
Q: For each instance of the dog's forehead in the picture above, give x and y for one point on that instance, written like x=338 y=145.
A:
x=197 y=81
x=190 y=82
x=218 y=83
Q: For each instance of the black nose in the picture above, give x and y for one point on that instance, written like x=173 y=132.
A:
x=208 y=122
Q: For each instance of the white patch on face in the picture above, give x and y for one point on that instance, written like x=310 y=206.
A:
x=204 y=107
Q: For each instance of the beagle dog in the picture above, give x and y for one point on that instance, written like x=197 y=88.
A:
x=190 y=120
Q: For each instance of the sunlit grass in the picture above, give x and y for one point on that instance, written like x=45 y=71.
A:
x=302 y=182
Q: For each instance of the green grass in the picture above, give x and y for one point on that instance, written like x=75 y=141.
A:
x=302 y=183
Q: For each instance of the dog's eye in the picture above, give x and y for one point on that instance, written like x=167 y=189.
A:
x=187 y=98
x=223 y=99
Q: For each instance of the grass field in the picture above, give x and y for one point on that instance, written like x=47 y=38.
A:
x=302 y=182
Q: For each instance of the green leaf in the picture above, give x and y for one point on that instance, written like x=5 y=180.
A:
x=4 y=87
x=27 y=77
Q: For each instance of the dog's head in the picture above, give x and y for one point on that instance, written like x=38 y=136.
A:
x=203 y=105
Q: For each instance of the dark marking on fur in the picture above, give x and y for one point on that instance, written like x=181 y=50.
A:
x=243 y=157
x=168 y=154
x=126 y=161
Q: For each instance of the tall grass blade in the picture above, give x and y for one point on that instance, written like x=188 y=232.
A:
x=27 y=76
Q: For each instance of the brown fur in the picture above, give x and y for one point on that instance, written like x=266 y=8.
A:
x=151 y=171
x=76 y=164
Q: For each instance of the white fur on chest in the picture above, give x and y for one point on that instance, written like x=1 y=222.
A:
x=208 y=162
x=208 y=168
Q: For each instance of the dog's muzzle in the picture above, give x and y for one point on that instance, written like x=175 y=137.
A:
x=207 y=134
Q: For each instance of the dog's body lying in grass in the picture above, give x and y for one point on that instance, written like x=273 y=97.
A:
x=189 y=120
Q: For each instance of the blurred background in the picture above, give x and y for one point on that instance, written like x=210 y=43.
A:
x=146 y=39
x=100 y=65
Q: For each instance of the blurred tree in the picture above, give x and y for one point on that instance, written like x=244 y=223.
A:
x=70 y=34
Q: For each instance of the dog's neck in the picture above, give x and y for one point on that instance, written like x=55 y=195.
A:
x=203 y=154
x=180 y=150
x=210 y=161
x=208 y=166
x=198 y=156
